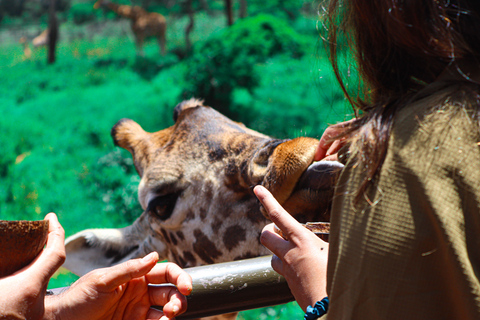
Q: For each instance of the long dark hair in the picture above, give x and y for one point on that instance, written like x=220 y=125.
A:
x=399 y=46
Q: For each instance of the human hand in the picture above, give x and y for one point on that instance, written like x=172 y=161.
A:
x=22 y=294
x=328 y=147
x=302 y=259
x=122 y=292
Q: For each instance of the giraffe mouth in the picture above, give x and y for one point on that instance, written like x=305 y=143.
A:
x=313 y=190
x=320 y=175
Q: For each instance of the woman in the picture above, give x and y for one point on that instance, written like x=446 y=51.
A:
x=405 y=241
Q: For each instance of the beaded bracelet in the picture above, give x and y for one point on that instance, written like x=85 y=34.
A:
x=318 y=310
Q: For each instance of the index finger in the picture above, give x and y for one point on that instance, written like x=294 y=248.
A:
x=282 y=219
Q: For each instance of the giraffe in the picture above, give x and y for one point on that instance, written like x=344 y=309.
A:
x=196 y=191
x=144 y=24
x=27 y=52
x=38 y=41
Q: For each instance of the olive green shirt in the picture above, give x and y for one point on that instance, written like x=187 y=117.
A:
x=412 y=250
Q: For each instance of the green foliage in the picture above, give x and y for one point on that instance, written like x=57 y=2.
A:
x=227 y=59
x=114 y=175
x=57 y=153
x=295 y=98
x=82 y=12
x=56 y=120
x=285 y=311
x=12 y=8
x=62 y=278
x=149 y=68
x=283 y=9
x=19 y=12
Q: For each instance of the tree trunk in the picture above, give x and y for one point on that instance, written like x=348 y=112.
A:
x=190 y=25
x=229 y=11
x=243 y=9
x=52 y=33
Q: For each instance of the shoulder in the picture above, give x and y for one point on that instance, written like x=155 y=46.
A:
x=439 y=135
x=446 y=119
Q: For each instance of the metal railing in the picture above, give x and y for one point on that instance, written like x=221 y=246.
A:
x=230 y=287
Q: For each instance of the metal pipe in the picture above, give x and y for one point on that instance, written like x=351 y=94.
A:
x=235 y=286
x=240 y=285
x=230 y=287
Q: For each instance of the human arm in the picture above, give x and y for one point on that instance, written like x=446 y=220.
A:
x=122 y=292
x=110 y=293
x=22 y=294
x=302 y=259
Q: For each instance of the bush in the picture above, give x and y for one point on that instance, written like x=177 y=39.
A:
x=284 y=9
x=227 y=59
x=294 y=98
x=115 y=181
x=82 y=12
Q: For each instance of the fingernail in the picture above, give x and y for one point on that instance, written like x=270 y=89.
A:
x=257 y=190
x=149 y=257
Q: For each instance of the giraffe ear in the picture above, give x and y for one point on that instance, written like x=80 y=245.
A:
x=129 y=135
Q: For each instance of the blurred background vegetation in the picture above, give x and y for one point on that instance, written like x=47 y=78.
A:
x=265 y=66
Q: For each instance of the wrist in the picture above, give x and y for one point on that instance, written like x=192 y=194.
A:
x=319 y=309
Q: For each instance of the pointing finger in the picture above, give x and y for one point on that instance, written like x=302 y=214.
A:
x=277 y=214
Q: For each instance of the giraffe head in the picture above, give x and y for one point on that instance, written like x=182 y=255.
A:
x=196 y=191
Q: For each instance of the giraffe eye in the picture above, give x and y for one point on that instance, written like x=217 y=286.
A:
x=162 y=206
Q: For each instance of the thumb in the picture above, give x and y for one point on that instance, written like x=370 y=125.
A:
x=53 y=255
